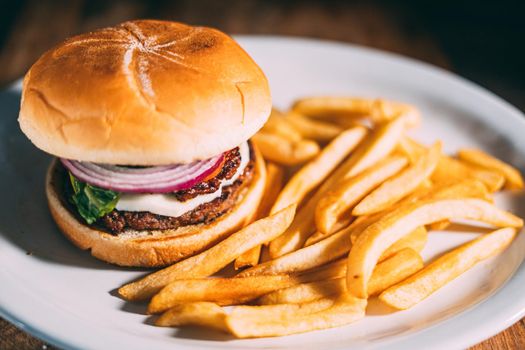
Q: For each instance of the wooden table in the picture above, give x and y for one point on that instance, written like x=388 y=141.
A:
x=416 y=30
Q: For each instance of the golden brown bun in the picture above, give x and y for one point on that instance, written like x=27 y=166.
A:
x=144 y=93
x=154 y=248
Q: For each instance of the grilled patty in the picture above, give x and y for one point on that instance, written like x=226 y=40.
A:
x=232 y=160
x=120 y=221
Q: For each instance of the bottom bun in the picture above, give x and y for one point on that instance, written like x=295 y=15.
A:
x=153 y=248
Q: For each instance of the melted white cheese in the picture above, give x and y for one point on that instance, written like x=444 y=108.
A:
x=168 y=205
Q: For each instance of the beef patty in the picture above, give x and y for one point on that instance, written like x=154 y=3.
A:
x=120 y=221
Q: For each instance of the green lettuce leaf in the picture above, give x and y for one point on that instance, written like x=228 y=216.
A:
x=92 y=202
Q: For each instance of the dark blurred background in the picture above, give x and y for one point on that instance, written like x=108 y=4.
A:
x=483 y=41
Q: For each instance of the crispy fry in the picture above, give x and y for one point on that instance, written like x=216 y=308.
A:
x=319 y=236
x=313 y=129
x=333 y=106
x=284 y=151
x=477 y=157
x=236 y=290
x=314 y=172
x=344 y=310
x=462 y=189
x=213 y=259
x=416 y=240
x=279 y=126
x=306 y=258
x=378 y=145
x=248 y=259
x=274 y=183
x=379 y=236
x=411 y=148
x=449 y=169
x=387 y=273
x=283 y=310
x=401 y=185
x=204 y=314
x=332 y=270
x=349 y=192
x=295 y=236
x=223 y=291
x=353 y=107
x=386 y=110
x=446 y=268
x=324 y=251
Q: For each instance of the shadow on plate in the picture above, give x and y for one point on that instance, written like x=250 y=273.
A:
x=198 y=333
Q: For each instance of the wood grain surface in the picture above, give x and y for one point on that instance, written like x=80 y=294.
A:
x=28 y=28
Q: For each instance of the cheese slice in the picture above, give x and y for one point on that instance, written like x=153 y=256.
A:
x=168 y=205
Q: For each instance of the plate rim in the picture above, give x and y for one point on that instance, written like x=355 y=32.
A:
x=461 y=330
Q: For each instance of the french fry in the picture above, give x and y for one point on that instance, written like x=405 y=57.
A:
x=377 y=146
x=319 y=236
x=375 y=239
x=205 y=314
x=411 y=148
x=274 y=183
x=223 y=291
x=477 y=157
x=295 y=236
x=279 y=126
x=284 y=151
x=416 y=240
x=304 y=224
x=353 y=107
x=468 y=188
x=269 y=320
x=344 y=310
x=349 y=192
x=401 y=185
x=332 y=270
x=283 y=310
x=314 y=172
x=387 y=273
x=236 y=290
x=213 y=259
x=383 y=110
x=322 y=252
x=305 y=292
x=319 y=107
x=248 y=258
x=313 y=129
x=306 y=258
x=446 y=268
x=449 y=169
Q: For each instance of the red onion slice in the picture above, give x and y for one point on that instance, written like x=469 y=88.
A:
x=158 y=179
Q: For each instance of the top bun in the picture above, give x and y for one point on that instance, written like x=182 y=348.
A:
x=144 y=93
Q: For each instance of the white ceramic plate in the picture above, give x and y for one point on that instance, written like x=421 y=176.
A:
x=64 y=296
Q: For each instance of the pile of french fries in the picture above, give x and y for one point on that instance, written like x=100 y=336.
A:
x=349 y=203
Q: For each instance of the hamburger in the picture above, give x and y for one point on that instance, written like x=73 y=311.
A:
x=149 y=122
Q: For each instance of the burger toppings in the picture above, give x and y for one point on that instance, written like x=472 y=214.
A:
x=120 y=221
x=169 y=205
x=92 y=202
x=157 y=179
x=116 y=211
